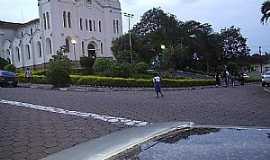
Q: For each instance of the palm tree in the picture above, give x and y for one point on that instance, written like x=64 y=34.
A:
x=265 y=11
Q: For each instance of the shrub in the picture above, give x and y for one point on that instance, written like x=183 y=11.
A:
x=87 y=63
x=3 y=63
x=10 y=68
x=121 y=70
x=35 y=79
x=39 y=72
x=103 y=66
x=59 y=70
x=141 y=67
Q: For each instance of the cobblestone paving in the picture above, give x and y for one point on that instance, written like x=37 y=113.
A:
x=31 y=134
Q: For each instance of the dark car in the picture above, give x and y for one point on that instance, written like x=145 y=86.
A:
x=8 y=78
x=175 y=141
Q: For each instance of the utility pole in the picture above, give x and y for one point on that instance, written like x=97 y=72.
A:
x=129 y=16
x=260 y=51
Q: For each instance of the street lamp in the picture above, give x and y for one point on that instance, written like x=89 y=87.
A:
x=129 y=16
x=74 y=42
x=260 y=51
x=163 y=47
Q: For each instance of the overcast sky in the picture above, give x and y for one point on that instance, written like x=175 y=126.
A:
x=220 y=13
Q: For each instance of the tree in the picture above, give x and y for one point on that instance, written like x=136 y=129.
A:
x=59 y=70
x=265 y=9
x=235 y=45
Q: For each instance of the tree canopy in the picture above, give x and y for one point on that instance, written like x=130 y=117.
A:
x=189 y=44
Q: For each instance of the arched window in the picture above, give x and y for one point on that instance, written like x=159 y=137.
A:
x=94 y=25
x=117 y=26
x=83 y=52
x=86 y=24
x=48 y=20
x=18 y=54
x=90 y=25
x=27 y=49
x=69 y=19
x=81 y=26
x=48 y=46
x=64 y=19
x=101 y=47
x=39 y=49
x=67 y=44
x=44 y=21
x=99 y=26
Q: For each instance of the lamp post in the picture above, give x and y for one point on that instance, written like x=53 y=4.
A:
x=260 y=51
x=129 y=16
x=74 y=42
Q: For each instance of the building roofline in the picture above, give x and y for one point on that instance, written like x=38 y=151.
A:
x=15 y=25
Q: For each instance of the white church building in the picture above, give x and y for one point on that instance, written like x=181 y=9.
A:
x=85 y=27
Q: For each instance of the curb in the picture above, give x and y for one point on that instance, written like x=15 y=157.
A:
x=112 y=89
x=267 y=90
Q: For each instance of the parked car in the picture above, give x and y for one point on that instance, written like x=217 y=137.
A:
x=8 y=78
x=174 y=141
x=266 y=79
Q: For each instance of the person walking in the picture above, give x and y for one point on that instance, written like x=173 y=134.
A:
x=157 y=81
x=226 y=76
x=28 y=74
x=217 y=79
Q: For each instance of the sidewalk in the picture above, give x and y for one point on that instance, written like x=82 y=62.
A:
x=87 y=88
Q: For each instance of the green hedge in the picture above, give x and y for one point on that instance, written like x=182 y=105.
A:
x=121 y=82
x=36 y=79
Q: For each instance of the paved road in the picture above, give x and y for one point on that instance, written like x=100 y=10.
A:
x=33 y=134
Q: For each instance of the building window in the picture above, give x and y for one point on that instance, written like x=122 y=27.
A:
x=27 y=48
x=101 y=47
x=67 y=45
x=117 y=26
x=39 y=49
x=48 y=46
x=99 y=26
x=44 y=21
x=48 y=20
x=18 y=54
x=69 y=19
x=83 y=52
x=114 y=28
x=89 y=1
x=94 y=24
x=81 y=27
x=86 y=24
x=90 y=25
x=31 y=31
x=64 y=19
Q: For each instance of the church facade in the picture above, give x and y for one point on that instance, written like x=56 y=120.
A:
x=84 y=27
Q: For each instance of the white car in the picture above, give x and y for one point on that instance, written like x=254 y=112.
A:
x=266 y=79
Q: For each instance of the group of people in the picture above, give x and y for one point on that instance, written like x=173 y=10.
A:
x=229 y=78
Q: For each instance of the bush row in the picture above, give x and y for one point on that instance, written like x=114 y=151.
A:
x=36 y=79
x=122 y=82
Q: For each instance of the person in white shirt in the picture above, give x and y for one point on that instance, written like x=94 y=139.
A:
x=157 y=81
x=28 y=74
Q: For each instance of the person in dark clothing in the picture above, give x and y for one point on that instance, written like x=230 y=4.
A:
x=156 y=81
x=242 y=79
